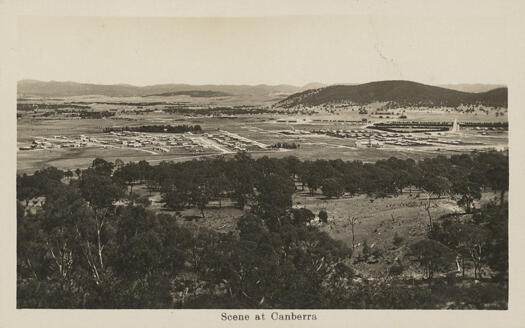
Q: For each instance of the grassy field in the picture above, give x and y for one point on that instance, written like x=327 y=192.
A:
x=263 y=128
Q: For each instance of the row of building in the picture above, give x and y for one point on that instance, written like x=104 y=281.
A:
x=233 y=141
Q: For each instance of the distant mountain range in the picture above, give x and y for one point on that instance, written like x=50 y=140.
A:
x=402 y=93
x=69 y=89
x=192 y=93
x=405 y=93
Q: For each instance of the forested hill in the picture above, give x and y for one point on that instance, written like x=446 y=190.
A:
x=403 y=93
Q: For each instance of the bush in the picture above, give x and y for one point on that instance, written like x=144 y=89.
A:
x=366 y=250
x=323 y=216
x=397 y=240
x=395 y=270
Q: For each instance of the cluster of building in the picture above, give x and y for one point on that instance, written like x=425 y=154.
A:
x=377 y=139
x=162 y=143
x=295 y=132
x=56 y=142
x=152 y=142
x=357 y=134
x=159 y=142
x=305 y=120
x=364 y=120
x=234 y=141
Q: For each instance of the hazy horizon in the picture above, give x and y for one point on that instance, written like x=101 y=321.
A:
x=260 y=84
x=292 y=50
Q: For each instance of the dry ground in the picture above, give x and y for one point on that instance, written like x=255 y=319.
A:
x=378 y=221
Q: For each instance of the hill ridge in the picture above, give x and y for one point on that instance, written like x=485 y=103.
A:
x=65 y=89
x=398 y=92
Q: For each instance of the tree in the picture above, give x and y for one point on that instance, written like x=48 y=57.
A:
x=101 y=192
x=68 y=174
x=217 y=181
x=434 y=185
x=26 y=188
x=323 y=216
x=175 y=200
x=474 y=240
x=313 y=181
x=301 y=216
x=469 y=241
x=242 y=184
x=495 y=218
x=52 y=253
x=469 y=191
x=119 y=163
x=274 y=196
x=332 y=188
x=432 y=257
x=293 y=165
x=41 y=183
x=130 y=174
x=65 y=218
x=351 y=183
x=200 y=197
x=499 y=180
x=353 y=222
x=102 y=167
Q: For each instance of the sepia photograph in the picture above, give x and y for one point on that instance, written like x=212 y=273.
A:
x=172 y=163
x=287 y=163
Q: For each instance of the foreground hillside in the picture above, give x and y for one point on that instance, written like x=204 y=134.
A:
x=402 y=93
x=394 y=234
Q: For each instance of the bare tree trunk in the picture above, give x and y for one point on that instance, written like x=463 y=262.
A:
x=353 y=221
x=100 y=247
x=427 y=208
x=353 y=238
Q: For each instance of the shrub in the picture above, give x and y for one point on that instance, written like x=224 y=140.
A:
x=395 y=270
x=323 y=216
x=397 y=240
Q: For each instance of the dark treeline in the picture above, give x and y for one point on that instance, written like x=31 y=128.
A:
x=396 y=129
x=286 y=145
x=157 y=128
x=214 y=111
x=237 y=110
x=86 y=240
x=156 y=103
x=95 y=115
x=441 y=124
x=25 y=107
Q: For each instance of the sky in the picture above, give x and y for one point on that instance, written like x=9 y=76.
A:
x=262 y=50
